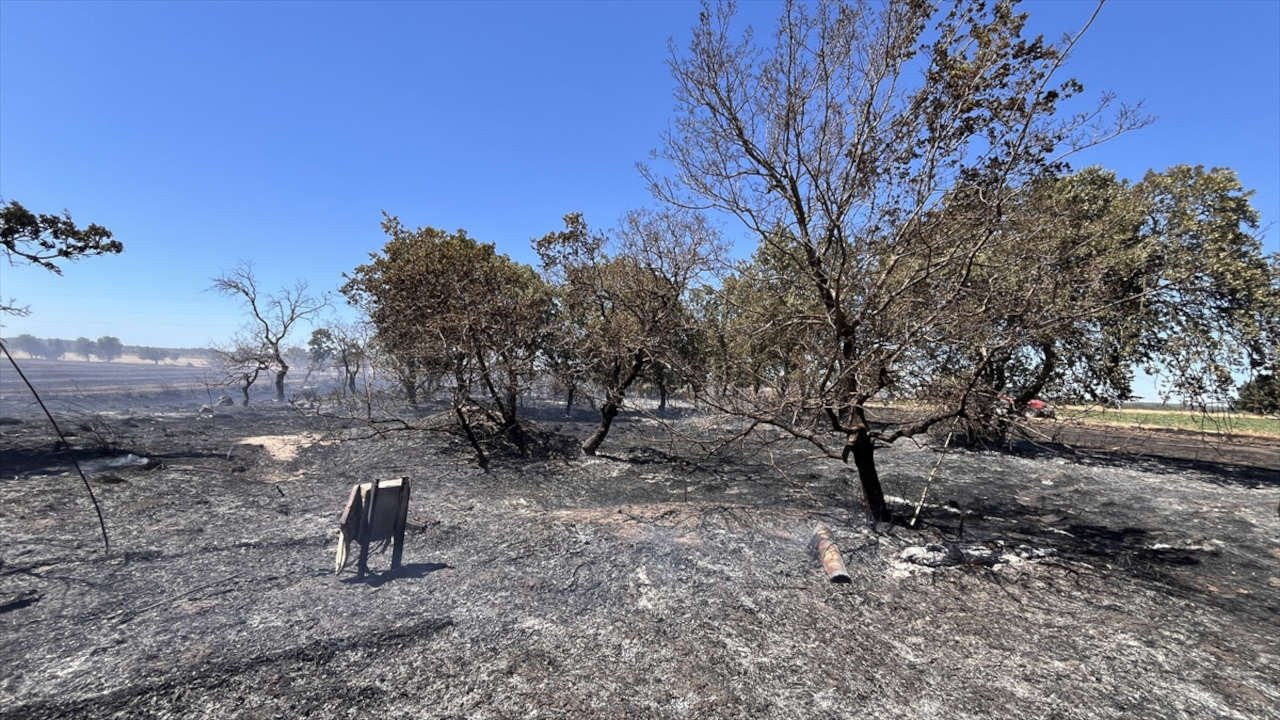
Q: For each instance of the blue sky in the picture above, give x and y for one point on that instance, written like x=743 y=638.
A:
x=203 y=134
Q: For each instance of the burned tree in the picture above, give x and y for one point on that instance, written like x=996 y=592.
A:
x=835 y=145
x=624 y=311
x=242 y=363
x=272 y=317
x=441 y=300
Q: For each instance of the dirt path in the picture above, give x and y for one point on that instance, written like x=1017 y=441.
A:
x=650 y=582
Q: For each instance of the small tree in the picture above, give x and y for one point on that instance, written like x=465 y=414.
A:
x=109 y=348
x=272 y=317
x=1260 y=395
x=441 y=300
x=243 y=362
x=339 y=347
x=623 y=312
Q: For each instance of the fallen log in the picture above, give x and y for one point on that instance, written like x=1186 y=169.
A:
x=832 y=563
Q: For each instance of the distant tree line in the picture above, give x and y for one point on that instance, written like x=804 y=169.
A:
x=106 y=348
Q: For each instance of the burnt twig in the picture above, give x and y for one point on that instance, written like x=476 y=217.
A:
x=62 y=443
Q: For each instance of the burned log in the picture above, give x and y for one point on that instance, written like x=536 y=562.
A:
x=829 y=555
x=376 y=512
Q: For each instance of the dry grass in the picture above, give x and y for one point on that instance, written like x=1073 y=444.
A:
x=1214 y=423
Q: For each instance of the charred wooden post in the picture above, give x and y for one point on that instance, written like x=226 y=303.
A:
x=832 y=563
x=376 y=512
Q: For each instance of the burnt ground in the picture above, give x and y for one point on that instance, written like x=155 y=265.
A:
x=653 y=581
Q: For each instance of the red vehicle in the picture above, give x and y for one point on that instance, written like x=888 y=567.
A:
x=1037 y=408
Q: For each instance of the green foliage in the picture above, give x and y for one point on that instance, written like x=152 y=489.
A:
x=445 y=303
x=623 y=303
x=1165 y=274
x=340 y=348
x=43 y=239
x=153 y=354
x=1260 y=395
x=84 y=347
x=627 y=308
x=109 y=348
x=321 y=347
x=31 y=345
x=902 y=168
x=763 y=322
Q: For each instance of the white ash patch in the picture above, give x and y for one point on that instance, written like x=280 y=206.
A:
x=283 y=448
x=1209 y=545
x=943 y=555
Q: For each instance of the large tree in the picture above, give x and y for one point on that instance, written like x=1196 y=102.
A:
x=1099 y=276
x=271 y=317
x=443 y=302
x=623 y=301
x=841 y=142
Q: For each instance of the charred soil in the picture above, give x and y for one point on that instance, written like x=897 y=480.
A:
x=653 y=580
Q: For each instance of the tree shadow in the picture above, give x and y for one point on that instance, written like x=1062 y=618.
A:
x=47 y=458
x=1223 y=473
x=26 y=599
x=1151 y=556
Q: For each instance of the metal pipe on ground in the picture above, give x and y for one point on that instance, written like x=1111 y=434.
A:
x=829 y=555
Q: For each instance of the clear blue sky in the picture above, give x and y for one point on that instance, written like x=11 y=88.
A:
x=202 y=134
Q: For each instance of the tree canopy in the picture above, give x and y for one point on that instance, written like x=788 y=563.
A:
x=622 y=302
x=272 y=317
x=448 y=304
x=45 y=239
x=109 y=348
x=1260 y=395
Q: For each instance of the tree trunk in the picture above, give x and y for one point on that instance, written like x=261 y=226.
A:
x=662 y=396
x=410 y=390
x=568 y=403
x=613 y=399
x=280 y=383
x=607 y=413
x=351 y=380
x=249 y=379
x=863 y=451
x=471 y=438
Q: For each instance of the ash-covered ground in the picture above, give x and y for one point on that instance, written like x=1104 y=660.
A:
x=652 y=581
